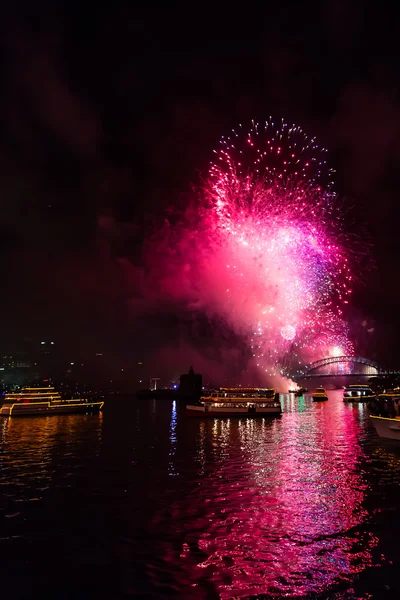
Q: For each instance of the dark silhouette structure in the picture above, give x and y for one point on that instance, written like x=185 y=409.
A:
x=190 y=385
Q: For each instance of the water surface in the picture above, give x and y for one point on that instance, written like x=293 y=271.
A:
x=143 y=502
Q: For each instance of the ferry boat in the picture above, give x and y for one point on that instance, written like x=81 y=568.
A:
x=298 y=392
x=386 y=427
x=358 y=393
x=44 y=401
x=236 y=402
x=319 y=395
x=385 y=414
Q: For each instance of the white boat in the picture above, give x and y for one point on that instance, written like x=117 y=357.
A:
x=320 y=395
x=236 y=402
x=44 y=401
x=298 y=392
x=387 y=428
x=385 y=417
x=358 y=393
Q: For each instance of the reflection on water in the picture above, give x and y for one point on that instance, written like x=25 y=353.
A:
x=160 y=505
x=277 y=505
x=32 y=451
x=172 y=437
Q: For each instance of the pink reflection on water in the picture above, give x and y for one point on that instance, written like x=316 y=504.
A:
x=278 y=507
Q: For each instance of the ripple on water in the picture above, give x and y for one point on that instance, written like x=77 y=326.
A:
x=299 y=506
x=278 y=506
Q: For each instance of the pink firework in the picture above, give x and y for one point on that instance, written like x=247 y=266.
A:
x=265 y=251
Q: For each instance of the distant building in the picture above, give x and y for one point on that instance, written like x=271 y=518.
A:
x=190 y=385
x=47 y=356
x=27 y=360
x=16 y=370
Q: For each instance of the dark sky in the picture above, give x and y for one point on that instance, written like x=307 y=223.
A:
x=110 y=111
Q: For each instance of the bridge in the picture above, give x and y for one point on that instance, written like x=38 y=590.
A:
x=335 y=366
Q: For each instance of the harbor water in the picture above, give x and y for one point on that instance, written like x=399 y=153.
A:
x=143 y=502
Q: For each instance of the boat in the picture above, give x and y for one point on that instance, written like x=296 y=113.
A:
x=298 y=392
x=385 y=414
x=358 y=393
x=44 y=401
x=319 y=395
x=236 y=402
x=387 y=427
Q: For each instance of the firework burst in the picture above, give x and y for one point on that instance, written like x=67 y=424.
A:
x=266 y=250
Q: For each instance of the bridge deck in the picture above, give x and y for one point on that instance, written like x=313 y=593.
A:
x=350 y=363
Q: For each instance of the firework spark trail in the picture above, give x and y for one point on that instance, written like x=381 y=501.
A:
x=266 y=252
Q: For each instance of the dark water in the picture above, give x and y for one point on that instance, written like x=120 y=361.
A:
x=143 y=502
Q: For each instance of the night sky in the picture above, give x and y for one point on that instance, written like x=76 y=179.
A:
x=110 y=114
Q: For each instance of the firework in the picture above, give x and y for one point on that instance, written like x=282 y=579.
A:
x=265 y=251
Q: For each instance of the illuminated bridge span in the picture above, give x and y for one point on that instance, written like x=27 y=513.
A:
x=345 y=365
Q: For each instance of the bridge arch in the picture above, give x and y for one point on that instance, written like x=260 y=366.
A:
x=350 y=365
